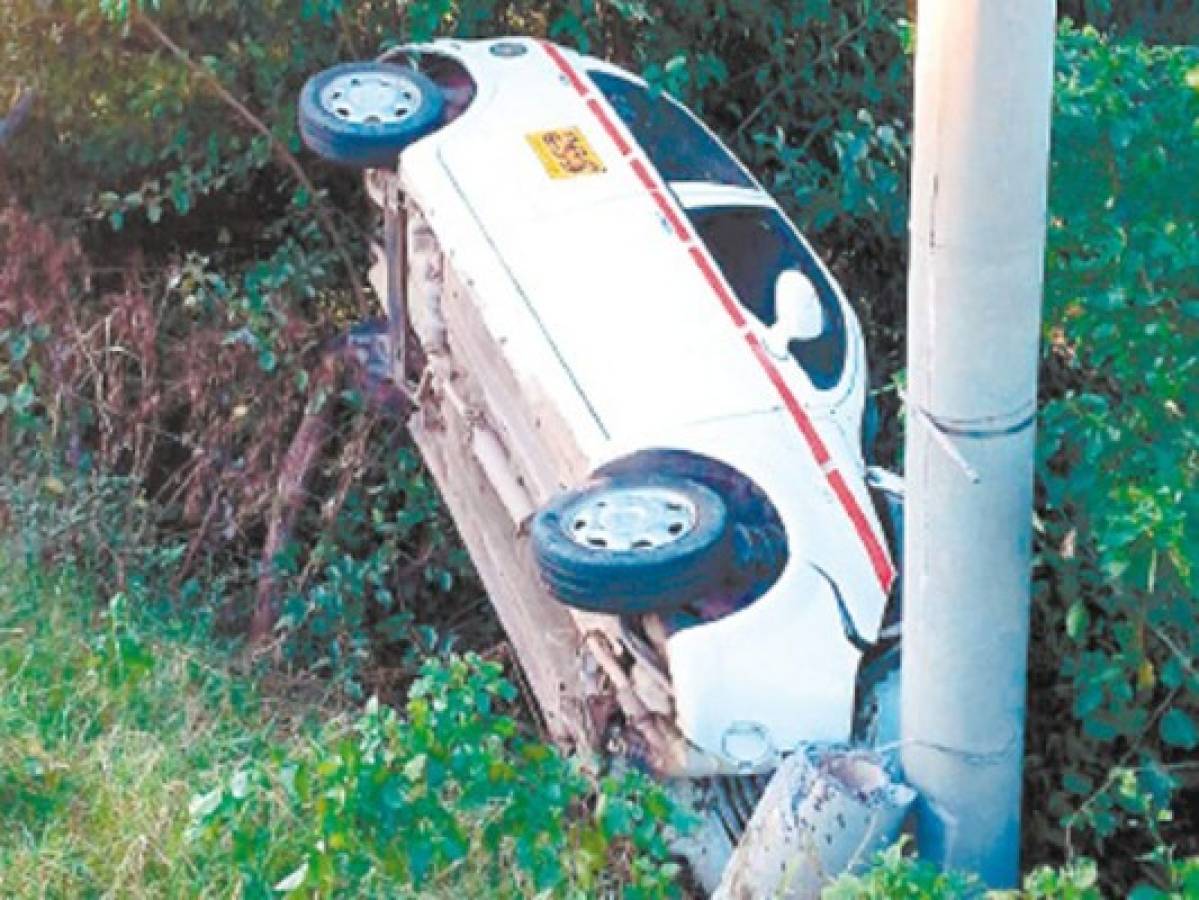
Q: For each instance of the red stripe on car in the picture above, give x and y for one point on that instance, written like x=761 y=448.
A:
x=643 y=175
x=667 y=209
x=598 y=111
x=878 y=556
x=819 y=450
x=717 y=284
x=564 y=67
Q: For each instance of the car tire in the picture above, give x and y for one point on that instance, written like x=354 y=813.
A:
x=761 y=552
x=634 y=544
x=385 y=107
x=759 y=539
x=746 y=502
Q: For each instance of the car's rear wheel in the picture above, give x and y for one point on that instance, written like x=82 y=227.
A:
x=363 y=114
x=760 y=548
x=630 y=544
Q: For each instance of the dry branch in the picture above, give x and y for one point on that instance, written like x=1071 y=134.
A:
x=297 y=464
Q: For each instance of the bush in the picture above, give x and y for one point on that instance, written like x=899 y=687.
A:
x=1155 y=21
x=1117 y=614
x=156 y=384
x=449 y=798
x=894 y=873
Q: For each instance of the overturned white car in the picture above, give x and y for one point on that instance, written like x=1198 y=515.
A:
x=637 y=367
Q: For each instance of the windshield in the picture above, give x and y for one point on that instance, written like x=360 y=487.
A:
x=753 y=245
x=678 y=145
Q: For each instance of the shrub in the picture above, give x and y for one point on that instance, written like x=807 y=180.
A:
x=1117 y=612
x=450 y=798
x=895 y=873
x=1156 y=21
x=156 y=384
x=113 y=709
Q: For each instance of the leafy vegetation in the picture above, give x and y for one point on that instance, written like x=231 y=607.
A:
x=107 y=725
x=134 y=764
x=167 y=319
x=1154 y=21
x=1117 y=610
x=895 y=873
x=450 y=796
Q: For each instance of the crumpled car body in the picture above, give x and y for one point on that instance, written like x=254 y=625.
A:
x=632 y=262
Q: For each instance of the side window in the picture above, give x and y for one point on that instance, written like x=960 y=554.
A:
x=679 y=147
x=753 y=246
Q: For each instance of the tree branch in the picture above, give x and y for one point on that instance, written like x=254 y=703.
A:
x=285 y=156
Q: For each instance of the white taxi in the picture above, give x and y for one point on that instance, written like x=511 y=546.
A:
x=709 y=364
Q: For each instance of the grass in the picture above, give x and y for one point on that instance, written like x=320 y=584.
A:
x=135 y=762
x=108 y=725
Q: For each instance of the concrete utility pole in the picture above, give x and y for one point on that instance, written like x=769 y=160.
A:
x=984 y=75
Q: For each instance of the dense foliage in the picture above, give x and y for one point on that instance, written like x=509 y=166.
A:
x=451 y=796
x=235 y=251
x=1118 y=616
x=1153 y=21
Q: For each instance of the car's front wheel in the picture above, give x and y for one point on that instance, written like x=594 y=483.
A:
x=363 y=114
x=636 y=543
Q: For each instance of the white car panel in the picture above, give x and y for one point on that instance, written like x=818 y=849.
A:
x=633 y=318
x=763 y=448
x=615 y=287
x=776 y=670
x=504 y=310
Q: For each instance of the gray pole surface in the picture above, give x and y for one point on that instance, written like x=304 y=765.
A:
x=984 y=74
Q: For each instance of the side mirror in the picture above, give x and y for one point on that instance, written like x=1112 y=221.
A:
x=797 y=310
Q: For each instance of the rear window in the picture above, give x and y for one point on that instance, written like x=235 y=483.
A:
x=677 y=144
x=753 y=245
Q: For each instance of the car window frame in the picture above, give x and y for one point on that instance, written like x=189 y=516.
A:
x=704 y=197
x=746 y=180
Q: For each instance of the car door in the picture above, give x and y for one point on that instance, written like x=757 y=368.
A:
x=585 y=231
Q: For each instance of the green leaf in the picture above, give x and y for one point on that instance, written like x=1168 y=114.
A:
x=239 y=784
x=205 y=805
x=414 y=769
x=294 y=881
x=1178 y=730
x=23 y=397
x=1077 y=783
x=1078 y=620
x=18 y=347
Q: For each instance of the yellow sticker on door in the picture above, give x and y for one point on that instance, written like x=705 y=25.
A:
x=565 y=153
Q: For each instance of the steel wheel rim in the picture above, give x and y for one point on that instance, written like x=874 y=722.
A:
x=371 y=98
x=630 y=519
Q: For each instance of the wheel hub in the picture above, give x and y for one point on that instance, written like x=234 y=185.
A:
x=636 y=518
x=371 y=98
